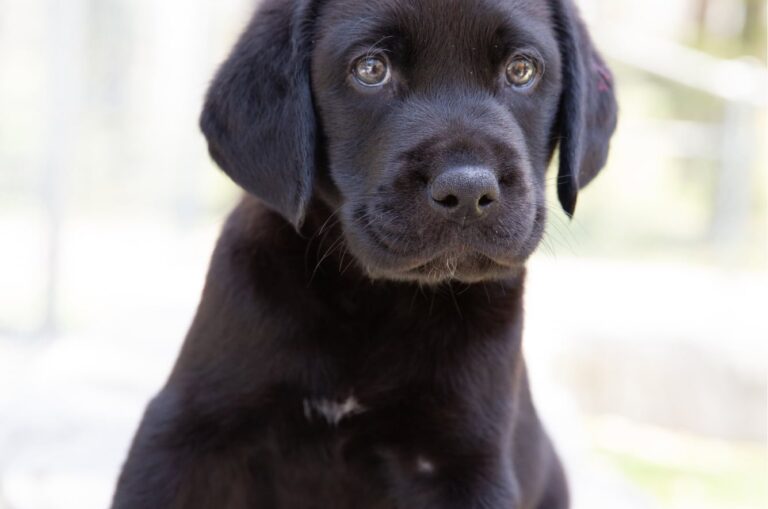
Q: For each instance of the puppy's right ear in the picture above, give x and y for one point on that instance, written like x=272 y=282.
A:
x=258 y=115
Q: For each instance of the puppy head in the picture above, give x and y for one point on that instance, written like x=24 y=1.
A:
x=433 y=121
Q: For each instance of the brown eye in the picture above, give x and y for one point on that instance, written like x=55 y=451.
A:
x=371 y=71
x=521 y=72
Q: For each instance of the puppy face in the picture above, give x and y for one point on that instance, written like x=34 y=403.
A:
x=433 y=121
x=438 y=117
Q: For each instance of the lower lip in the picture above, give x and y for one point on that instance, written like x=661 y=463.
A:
x=476 y=260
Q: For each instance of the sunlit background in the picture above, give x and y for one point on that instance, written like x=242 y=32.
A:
x=647 y=315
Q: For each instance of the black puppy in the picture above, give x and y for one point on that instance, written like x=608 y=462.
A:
x=358 y=340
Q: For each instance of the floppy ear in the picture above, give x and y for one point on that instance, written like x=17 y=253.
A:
x=587 y=115
x=258 y=115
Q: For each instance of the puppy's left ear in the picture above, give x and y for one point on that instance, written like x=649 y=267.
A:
x=587 y=115
x=259 y=116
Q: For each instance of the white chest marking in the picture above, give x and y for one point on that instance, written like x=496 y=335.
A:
x=424 y=466
x=332 y=411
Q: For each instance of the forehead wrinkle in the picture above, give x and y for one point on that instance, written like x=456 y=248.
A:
x=455 y=29
x=458 y=30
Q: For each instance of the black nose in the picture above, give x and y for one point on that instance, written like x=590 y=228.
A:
x=464 y=193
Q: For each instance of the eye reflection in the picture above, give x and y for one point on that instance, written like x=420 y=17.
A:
x=521 y=72
x=371 y=71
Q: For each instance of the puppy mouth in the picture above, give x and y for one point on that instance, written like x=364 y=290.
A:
x=402 y=248
x=456 y=260
x=467 y=267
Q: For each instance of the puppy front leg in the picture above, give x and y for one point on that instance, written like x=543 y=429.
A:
x=172 y=465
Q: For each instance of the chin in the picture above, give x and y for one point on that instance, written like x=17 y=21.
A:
x=463 y=266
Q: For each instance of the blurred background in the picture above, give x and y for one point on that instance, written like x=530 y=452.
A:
x=646 y=325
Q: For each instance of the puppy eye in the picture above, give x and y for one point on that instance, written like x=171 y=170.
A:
x=522 y=72
x=371 y=71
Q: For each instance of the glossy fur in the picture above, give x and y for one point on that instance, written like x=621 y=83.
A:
x=353 y=347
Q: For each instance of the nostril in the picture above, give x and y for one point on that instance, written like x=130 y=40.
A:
x=485 y=200
x=464 y=193
x=449 y=201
